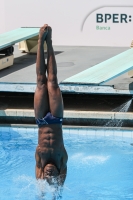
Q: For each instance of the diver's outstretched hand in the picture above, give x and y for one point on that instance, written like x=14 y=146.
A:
x=49 y=35
x=43 y=32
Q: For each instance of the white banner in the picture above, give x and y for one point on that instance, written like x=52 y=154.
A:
x=74 y=23
x=109 y=26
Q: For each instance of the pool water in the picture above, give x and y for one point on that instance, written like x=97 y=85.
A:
x=99 y=168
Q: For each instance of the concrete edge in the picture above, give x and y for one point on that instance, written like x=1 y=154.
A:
x=93 y=89
x=113 y=133
x=70 y=114
x=65 y=88
x=70 y=127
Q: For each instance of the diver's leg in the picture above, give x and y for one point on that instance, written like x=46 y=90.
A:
x=55 y=96
x=41 y=102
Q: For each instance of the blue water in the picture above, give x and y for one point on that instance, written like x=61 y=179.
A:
x=98 y=168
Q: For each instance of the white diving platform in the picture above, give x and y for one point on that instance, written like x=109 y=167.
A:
x=12 y=37
x=27 y=37
x=104 y=71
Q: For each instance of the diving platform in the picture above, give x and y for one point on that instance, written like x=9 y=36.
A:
x=112 y=76
x=104 y=71
x=12 y=37
x=27 y=37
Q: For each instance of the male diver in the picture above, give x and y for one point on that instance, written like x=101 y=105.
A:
x=51 y=156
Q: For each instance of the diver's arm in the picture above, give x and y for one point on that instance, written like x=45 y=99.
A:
x=63 y=170
x=38 y=168
x=63 y=174
x=40 y=163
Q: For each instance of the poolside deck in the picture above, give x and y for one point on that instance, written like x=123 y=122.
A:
x=21 y=77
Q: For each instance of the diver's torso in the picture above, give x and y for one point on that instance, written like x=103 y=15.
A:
x=50 y=144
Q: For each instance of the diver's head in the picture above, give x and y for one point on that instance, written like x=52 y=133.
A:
x=50 y=170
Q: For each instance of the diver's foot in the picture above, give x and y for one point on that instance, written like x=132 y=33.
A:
x=43 y=33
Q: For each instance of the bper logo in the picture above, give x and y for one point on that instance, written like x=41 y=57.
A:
x=115 y=18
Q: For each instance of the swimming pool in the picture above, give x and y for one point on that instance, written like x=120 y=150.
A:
x=100 y=165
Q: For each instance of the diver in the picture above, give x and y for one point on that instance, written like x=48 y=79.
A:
x=51 y=156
